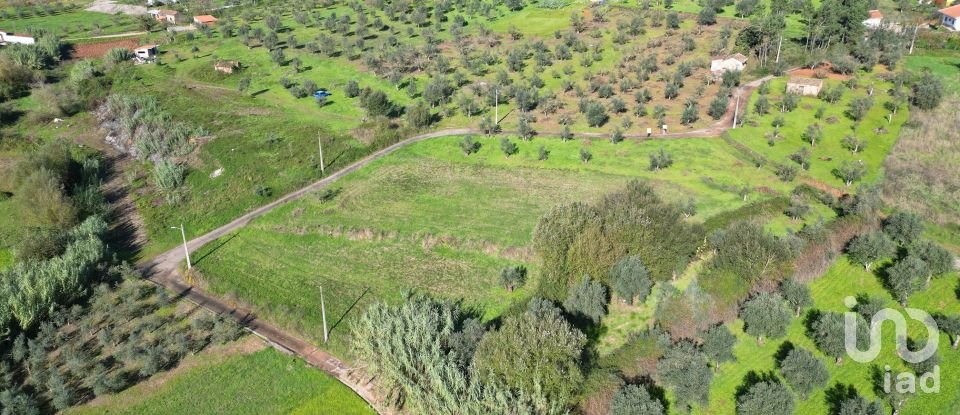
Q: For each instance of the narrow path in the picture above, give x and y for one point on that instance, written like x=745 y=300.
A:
x=164 y=268
x=116 y=35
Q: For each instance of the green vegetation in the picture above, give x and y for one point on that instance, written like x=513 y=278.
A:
x=70 y=21
x=776 y=145
x=711 y=268
x=235 y=384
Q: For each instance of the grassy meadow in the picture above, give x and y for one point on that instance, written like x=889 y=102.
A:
x=430 y=218
x=71 y=22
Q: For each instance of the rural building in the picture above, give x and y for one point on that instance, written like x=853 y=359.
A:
x=204 y=20
x=145 y=53
x=226 y=66
x=7 y=37
x=735 y=62
x=875 y=20
x=804 y=86
x=950 y=17
x=167 y=16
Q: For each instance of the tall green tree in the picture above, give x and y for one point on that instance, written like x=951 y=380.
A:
x=827 y=332
x=587 y=299
x=537 y=354
x=796 y=294
x=938 y=259
x=870 y=248
x=803 y=371
x=635 y=400
x=765 y=398
x=903 y=227
x=630 y=280
x=718 y=344
x=906 y=277
x=765 y=315
x=685 y=370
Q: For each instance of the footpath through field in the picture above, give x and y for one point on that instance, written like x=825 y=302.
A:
x=164 y=268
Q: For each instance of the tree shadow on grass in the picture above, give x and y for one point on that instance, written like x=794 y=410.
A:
x=836 y=395
x=221 y=243
x=752 y=378
x=349 y=309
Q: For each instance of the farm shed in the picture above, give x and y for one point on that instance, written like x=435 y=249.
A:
x=226 y=66
x=145 y=52
x=804 y=86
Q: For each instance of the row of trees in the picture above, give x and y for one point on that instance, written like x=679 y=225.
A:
x=119 y=338
x=916 y=260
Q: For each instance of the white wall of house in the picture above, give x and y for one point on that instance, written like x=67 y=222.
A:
x=951 y=22
x=12 y=38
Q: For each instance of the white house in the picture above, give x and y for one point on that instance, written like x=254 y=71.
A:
x=875 y=20
x=7 y=37
x=735 y=62
x=951 y=17
x=167 y=16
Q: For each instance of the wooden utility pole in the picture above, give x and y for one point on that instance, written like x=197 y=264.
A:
x=320 y=144
x=323 y=312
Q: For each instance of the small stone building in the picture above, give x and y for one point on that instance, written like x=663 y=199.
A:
x=226 y=67
x=804 y=86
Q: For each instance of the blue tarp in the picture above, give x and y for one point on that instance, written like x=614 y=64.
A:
x=321 y=93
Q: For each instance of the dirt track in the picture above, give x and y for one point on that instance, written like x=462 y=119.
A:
x=111 y=7
x=163 y=269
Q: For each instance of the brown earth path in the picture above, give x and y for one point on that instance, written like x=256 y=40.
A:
x=164 y=268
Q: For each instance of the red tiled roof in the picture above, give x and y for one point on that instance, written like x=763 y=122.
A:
x=876 y=14
x=204 y=18
x=953 y=11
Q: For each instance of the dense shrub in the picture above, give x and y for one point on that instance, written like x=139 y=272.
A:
x=579 y=239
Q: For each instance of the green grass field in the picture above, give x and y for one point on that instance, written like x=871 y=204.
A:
x=429 y=218
x=946 y=65
x=72 y=23
x=265 y=382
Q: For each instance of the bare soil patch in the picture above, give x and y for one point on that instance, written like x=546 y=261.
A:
x=96 y=50
x=820 y=72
